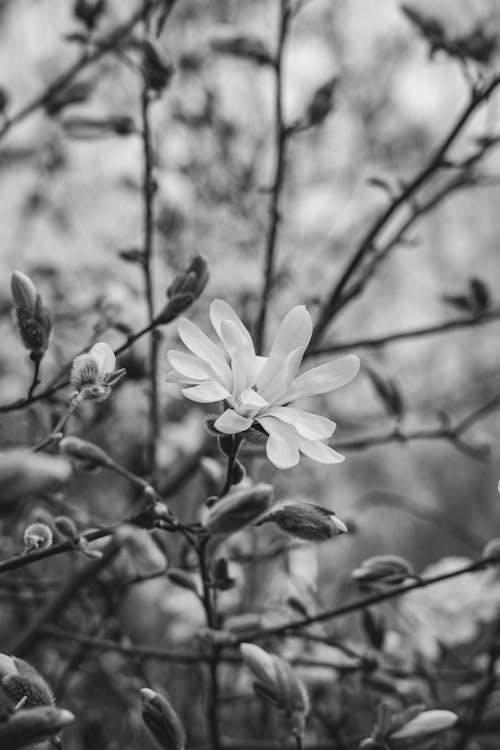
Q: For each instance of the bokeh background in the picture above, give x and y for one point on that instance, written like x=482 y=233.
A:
x=71 y=204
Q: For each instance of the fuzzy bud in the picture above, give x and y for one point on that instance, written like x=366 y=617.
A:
x=238 y=509
x=157 y=68
x=306 y=521
x=32 y=726
x=37 y=536
x=89 y=12
x=32 y=317
x=278 y=684
x=27 y=685
x=162 y=721
x=390 y=569
x=186 y=287
x=91 y=455
x=93 y=374
x=425 y=726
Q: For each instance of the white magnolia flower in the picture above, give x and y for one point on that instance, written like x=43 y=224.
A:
x=259 y=389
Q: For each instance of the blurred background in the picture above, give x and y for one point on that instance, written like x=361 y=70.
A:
x=71 y=213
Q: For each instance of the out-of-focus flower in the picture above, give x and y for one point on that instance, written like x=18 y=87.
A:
x=32 y=316
x=258 y=389
x=390 y=569
x=93 y=374
x=23 y=472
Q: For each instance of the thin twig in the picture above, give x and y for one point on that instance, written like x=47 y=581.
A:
x=281 y=140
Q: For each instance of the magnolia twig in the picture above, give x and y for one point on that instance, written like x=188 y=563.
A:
x=281 y=140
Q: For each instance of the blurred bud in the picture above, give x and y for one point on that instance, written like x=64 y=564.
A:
x=388 y=391
x=223 y=581
x=480 y=295
x=66 y=527
x=374 y=627
x=492 y=548
x=237 y=510
x=238 y=45
x=238 y=473
x=141 y=547
x=93 y=374
x=75 y=93
x=278 y=684
x=32 y=317
x=27 y=685
x=306 y=521
x=37 y=536
x=425 y=726
x=157 y=68
x=383 y=569
x=245 y=623
x=162 y=721
x=23 y=472
x=90 y=128
x=4 y=99
x=32 y=726
x=89 y=12
x=186 y=287
x=321 y=103
x=91 y=455
x=183 y=579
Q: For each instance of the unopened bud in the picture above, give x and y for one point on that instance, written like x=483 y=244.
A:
x=239 y=509
x=426 y=725
x=37 y=536
x=32 y=316
x=89 y=11
x=26 y=684
x=305 y=521
x=186 y=287
x=383 y=569
x=91 y=455
x=157 y=68
x=162 y=721
x=66 y=527
x=33 y=725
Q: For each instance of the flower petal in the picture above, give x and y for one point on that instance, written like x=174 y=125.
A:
x=243 y=359
x=324 y=378
x=281 y=447
x=230 y=422
x=250 y=399
x=175 y=377
x=189 y=365
x=206 y=393
x=104 y=357
x=320 y=452
x=280 y=383
x=295 y=331
x=195 y=340
x=310 y=426
x=220 y=311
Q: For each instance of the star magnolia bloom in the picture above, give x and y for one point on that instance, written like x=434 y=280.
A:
x=258 y=389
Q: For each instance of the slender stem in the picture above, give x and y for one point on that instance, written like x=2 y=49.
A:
x=231 y=460
x=148 y=192
x=281 y=139
x=211 y=618
x=55 y=433
x=299 y=741
x=37 y=360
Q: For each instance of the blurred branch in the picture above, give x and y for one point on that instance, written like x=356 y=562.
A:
x=281 y=139
x=102 y=46
x=368 y=601
x=336 y=299
x=413 y=333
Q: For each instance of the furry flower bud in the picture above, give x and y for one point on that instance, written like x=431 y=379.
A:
x=93 y=374
x=278 y=684
x=383 y=569
x=162 y=721
x=306 y=521
x=37 y=536
x=425 y=726
x=32 y=317
x=237 y=510
x=32 y=726
x=26 y=684
x=186 y=287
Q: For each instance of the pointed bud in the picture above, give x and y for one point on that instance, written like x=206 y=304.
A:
x=91 y=455
x=89 y=12
x=390 y=569
x=32 y=317
x=157 y=68
x=305 y=521
x=322 y=102
x=237 y=510
x=66 y=527
x=37 y=536
x=186 y=287
x=32 y=726
x=162 y=721
x=27 y=684
x=425 y=726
